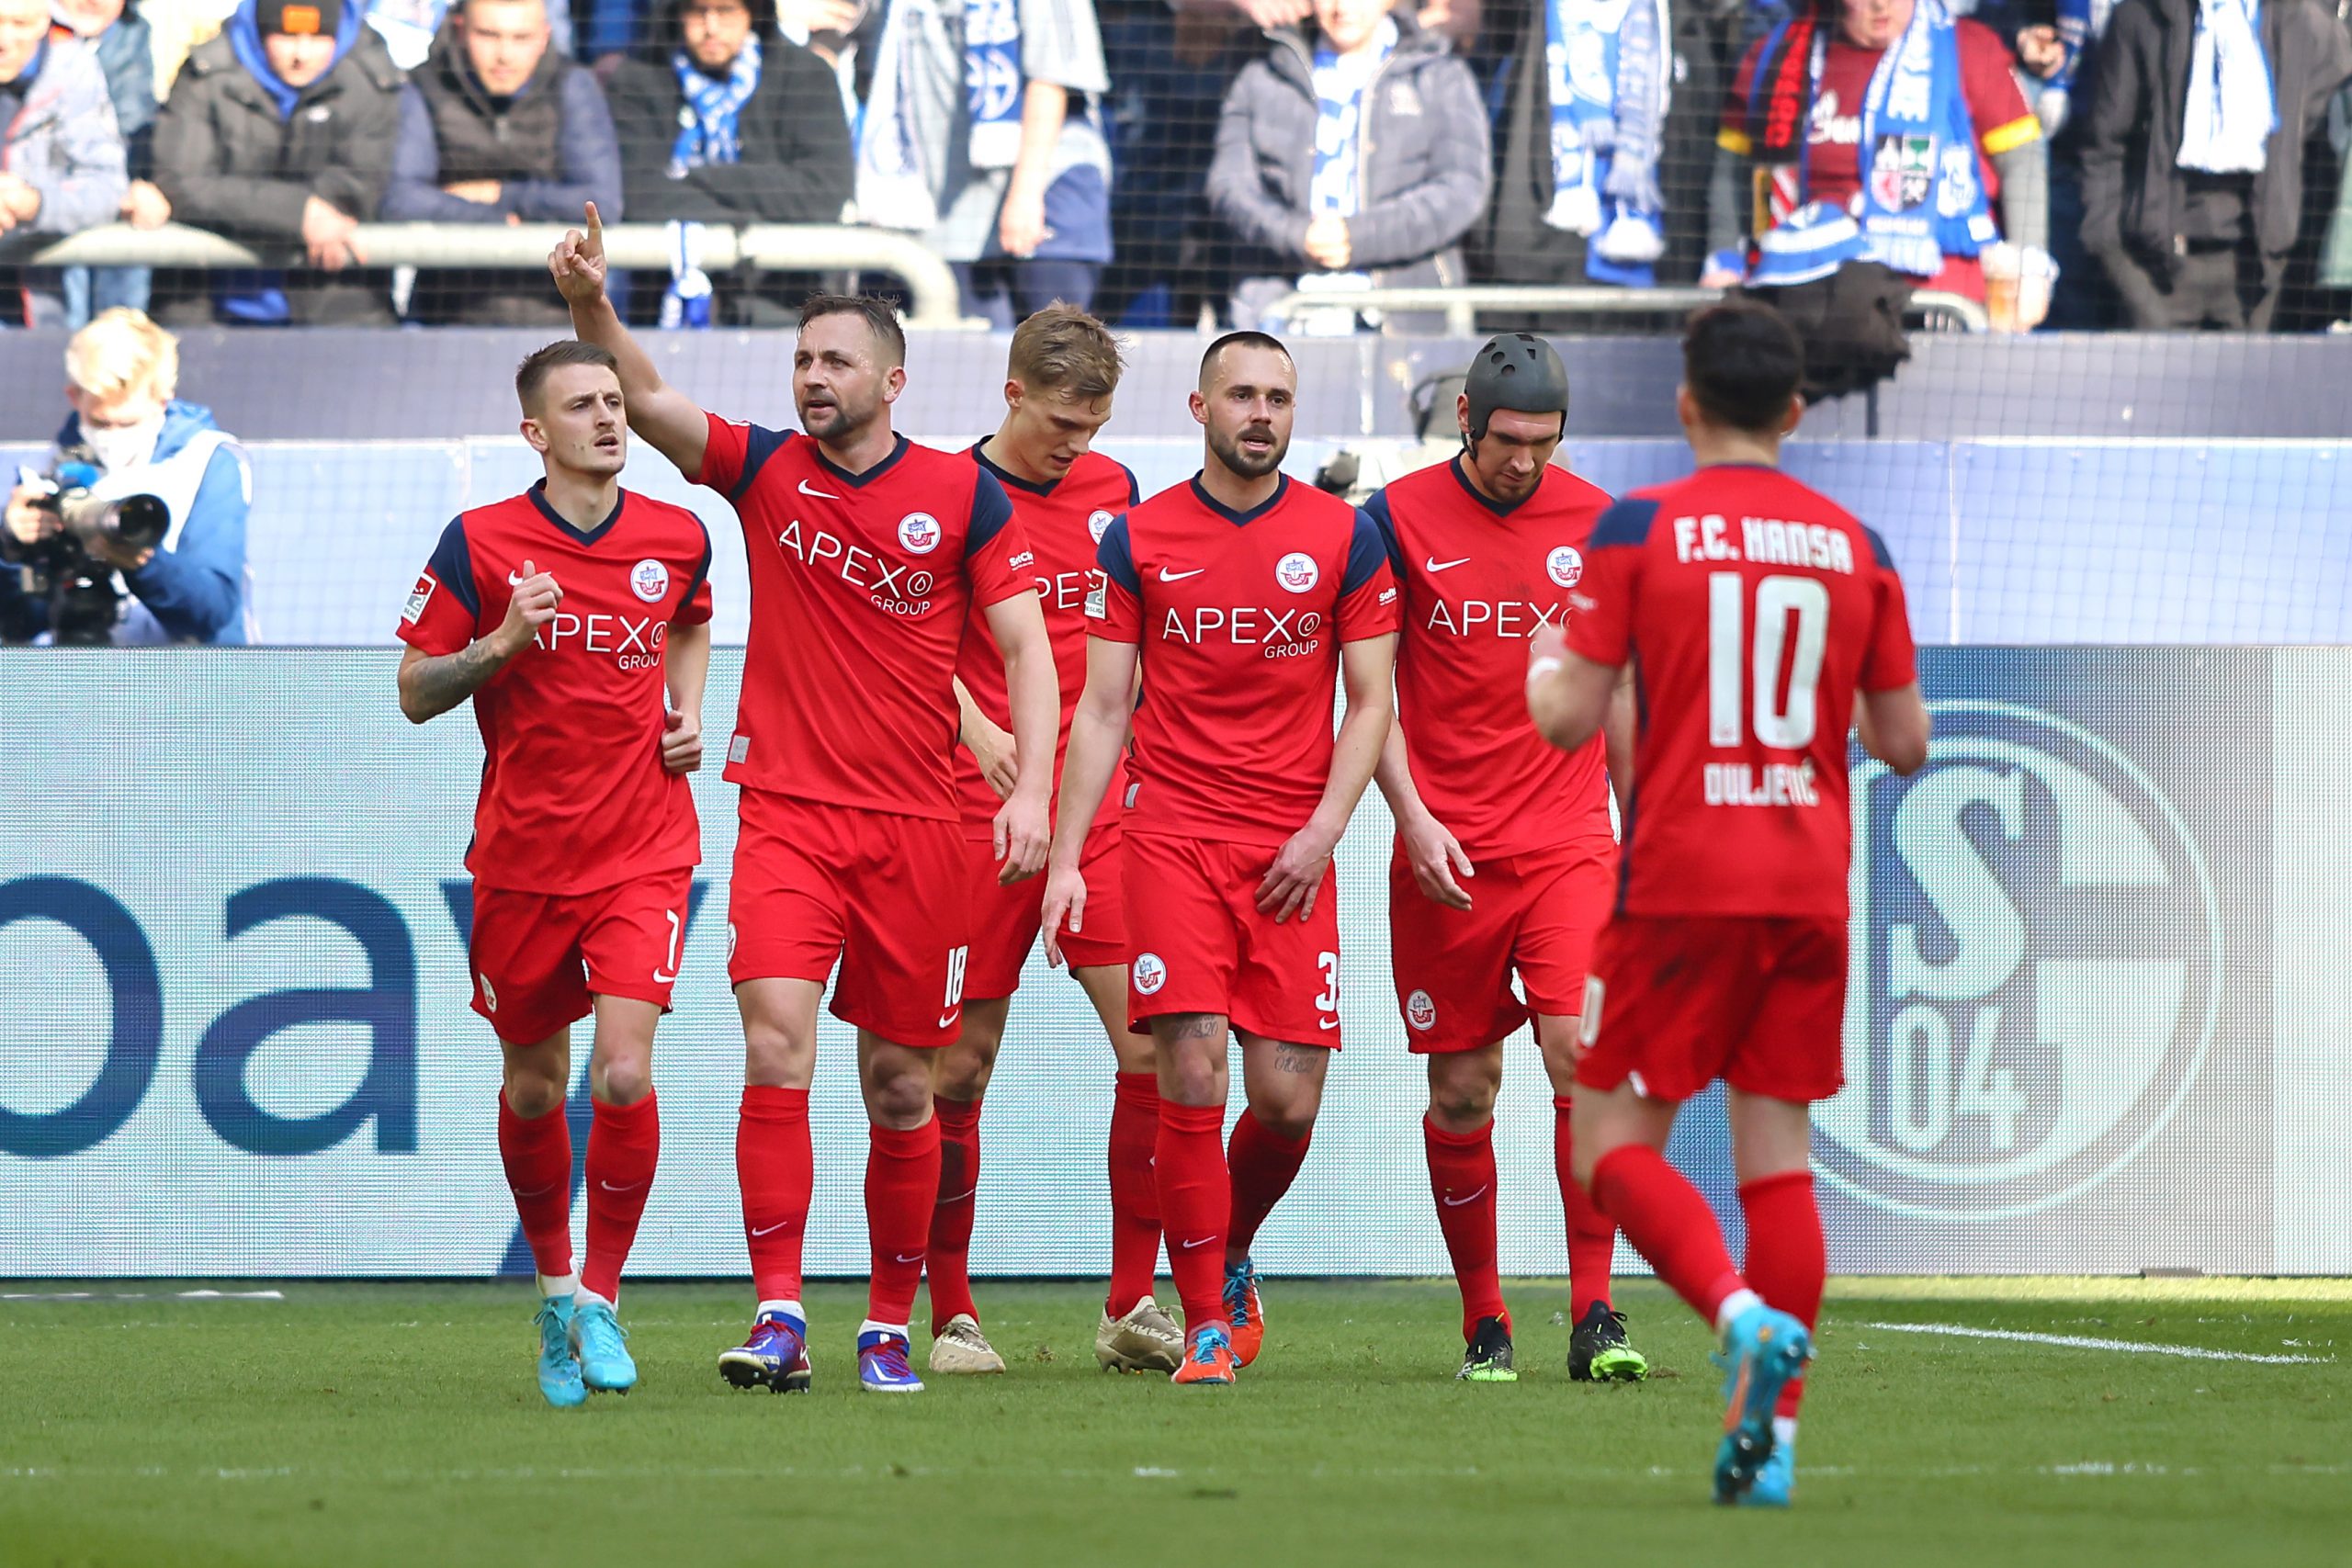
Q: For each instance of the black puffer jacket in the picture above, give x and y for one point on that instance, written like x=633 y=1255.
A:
x=2134 y=192
x=227 y=162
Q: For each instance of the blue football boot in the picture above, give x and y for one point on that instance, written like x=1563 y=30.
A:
x=882 y=1364
x=596 y=1340
x=1778 y=1480
x=775 y=1357
x=1763 y=1348
x=558 y=1367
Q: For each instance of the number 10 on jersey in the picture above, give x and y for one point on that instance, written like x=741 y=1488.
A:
x=1734 y=656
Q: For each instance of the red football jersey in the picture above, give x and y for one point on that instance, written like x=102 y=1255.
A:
x=574 y=796
x=1239 y=616
x=1476 y=579
x=1064 y=522
x=861 y=588
x=1751 y=608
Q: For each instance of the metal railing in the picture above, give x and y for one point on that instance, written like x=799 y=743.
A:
x=520 y=247
x=1461 y=306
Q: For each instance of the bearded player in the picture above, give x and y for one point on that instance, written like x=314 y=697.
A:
x=1750 y=611
x=1505 y=859
x=1238 y=596
x=868 y=555
x=577 y=617
x=1059 y=378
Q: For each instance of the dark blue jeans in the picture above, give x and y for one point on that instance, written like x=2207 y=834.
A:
x=1011 y=288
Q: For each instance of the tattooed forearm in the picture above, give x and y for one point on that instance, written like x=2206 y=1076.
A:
x=433 y=687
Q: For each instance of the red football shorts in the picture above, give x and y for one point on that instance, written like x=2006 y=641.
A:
x=1536 y=913
x=538 y=958
x=1678 y=1001
x=880 y=893
x=1005 y=919
x=1202 y=946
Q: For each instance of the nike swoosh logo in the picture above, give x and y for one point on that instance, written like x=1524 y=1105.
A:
x=778 y=1226
x=662 y=980
x=1458 y=1202
x=537 y=1191
x=959 y=1197
x=1321 y=1022
x=610 y=1187
x=819 y=494
x=1202 y=1242
x=1436 y=565
x=947 y=1018
x=1167 y=576
x=907 y=1257
x=513 y=580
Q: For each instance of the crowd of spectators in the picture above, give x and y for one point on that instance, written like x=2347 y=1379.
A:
x=2165 y=164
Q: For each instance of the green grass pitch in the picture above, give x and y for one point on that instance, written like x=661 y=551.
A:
x=352 y=1425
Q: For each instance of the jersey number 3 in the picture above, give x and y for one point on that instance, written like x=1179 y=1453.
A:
x=1783 y=723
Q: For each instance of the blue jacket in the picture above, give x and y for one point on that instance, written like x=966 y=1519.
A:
x=194 y=588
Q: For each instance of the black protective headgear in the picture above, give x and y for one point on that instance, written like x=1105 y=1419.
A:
x=1518 y=371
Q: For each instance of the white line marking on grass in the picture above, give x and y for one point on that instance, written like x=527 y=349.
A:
x=142 y=1296
x=2084 y=1342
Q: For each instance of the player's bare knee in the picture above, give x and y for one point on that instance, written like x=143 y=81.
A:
x=774 y=1054
x=622 y=1080
x=1191 y=1078
x=531 y=1092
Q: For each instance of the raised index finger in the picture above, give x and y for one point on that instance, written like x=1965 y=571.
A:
x=595 y=227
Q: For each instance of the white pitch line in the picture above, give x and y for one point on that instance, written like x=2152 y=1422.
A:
x=142 y=1296
x=2084 y=1342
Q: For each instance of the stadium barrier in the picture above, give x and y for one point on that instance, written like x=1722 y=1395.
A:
x=522 y=247
x=1461 y=304
x=1997 y=542
x=2093 y=1025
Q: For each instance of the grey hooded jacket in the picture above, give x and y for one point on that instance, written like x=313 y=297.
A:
x=1426 y=166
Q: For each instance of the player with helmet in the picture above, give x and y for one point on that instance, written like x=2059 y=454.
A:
x=1505 y=859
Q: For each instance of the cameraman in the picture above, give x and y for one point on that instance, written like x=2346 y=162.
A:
x=121 y=372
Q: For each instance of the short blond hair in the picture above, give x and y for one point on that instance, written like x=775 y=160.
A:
x=121 y=351
x=1064 y=349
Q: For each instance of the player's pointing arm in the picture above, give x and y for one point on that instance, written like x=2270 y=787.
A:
x=659 y=412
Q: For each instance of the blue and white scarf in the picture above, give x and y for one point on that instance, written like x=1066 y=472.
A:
x=1922 y=197
x=1606 y=78
x=706 y=134
x=706 y=130
x=992 y=87
x=1334 y=187
x=2232 y=106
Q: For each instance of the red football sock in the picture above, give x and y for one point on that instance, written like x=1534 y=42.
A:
x=776 y=1166
x=536 y=1154
x=1462 y=1179
x=623 y=1145
x=1592 y=1235
x=1135 y=1197
x=948 y=1259
x=902 y=1189
x=1264 y=1163
x=1195 y=1196
x=1787 y=1259
x=1668 y=1223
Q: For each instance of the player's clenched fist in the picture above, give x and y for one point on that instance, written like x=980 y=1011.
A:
x=577 y=263
x=682 y=741
x=1065 y=900
x=532 y=606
